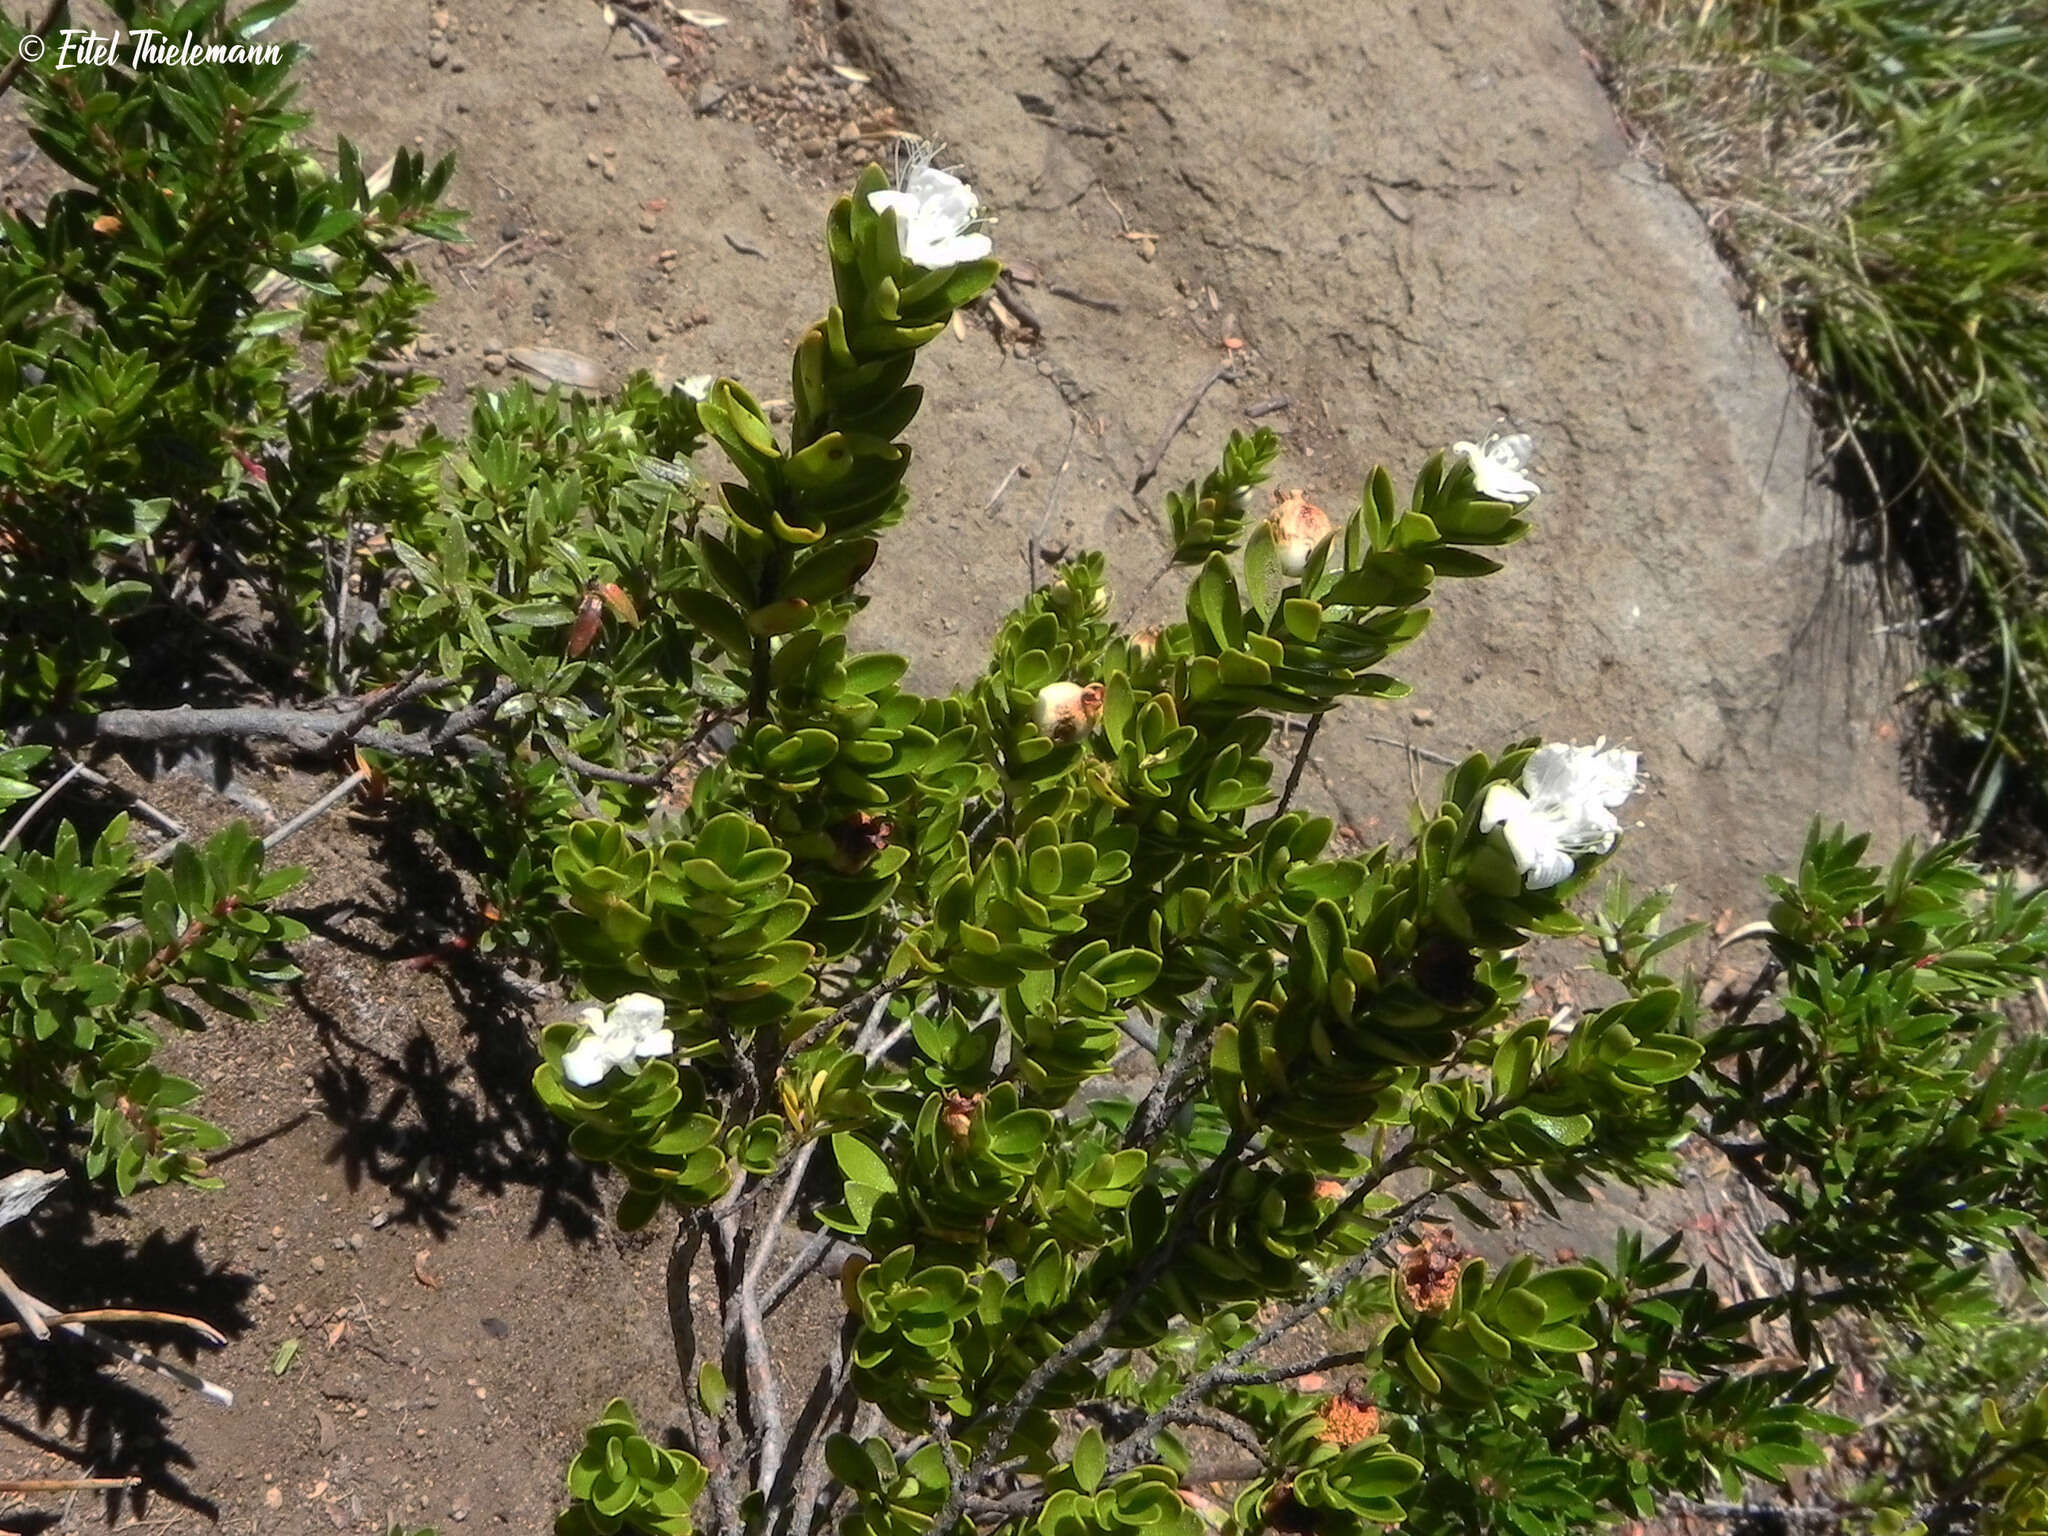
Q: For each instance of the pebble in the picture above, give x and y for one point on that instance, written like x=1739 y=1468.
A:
x=458 y=65
x=494 y=362
x=319 y=1266
x=437 y=54
x=655 y=331
x=611 y=172
x=1423 y=716
x=646 y=218
x=355 y=1242
x=710 y=94
x=592 y=103
x=378 y=1218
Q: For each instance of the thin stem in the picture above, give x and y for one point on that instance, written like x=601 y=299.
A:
x=21 y=822
x=1308 y=740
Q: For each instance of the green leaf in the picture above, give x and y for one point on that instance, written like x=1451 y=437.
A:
x=862 y=1164
x=1090 y=1460
x=287 y=1352
x=712 y=1391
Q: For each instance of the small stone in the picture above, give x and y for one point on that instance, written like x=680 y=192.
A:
x=592 y=103
x=646 y=218
x=497 y=1327
x=356 y=1242
x=1423 y=716
x=494 y=362
x=319 y=1266
x=611 y=151
x=437 y=54
x=379 y=1218
x=265 y=1294
x=273 y=1498
x=710 y=94
x=655 y=330
x=458 y=65
x=592 y=158
x=611 y=171
x=443 y=19
x=263 y=1244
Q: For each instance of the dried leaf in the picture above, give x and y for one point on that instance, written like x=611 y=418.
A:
x=419 y=1270
x=705 y=19
x=848 y=72
x=558 y=366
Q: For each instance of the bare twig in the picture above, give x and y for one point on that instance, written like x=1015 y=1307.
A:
x=813 y=1253
x=1308 y=740
x=1075 y=296
x=317 y=809
x=65 y=1484
x=845 y=1011
x=205 y=1330
x=1052 y=501
x=35 y=807
x=22 y=56
x=991 y=506
x=414 y=685
x=1223 y=370
x=40 y=1319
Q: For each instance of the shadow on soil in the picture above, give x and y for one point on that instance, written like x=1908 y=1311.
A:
x=63 y=1400
x=422 y=1115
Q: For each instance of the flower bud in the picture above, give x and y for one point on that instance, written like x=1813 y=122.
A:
x=1067 y=601
x=1067 y=711
x=1145 y=645
x=1297 y=525
x=957 y=1115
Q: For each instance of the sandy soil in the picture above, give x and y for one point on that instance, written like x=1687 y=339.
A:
x=1412 y=221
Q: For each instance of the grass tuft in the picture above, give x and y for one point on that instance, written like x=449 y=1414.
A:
x=1877 y=170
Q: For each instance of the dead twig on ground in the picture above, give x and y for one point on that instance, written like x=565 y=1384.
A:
x=1224 y=370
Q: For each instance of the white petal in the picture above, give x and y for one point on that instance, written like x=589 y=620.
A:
x=902 y=204
x=657 y=1043
x=1503 y=802
x=636 y=1014
x=591 y=1017
x=1551 y=773
x=1515 y=450
x=587 y=1062
x=1550 y=866
x=957 y=250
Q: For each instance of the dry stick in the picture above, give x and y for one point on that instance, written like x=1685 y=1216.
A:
x=383 y=701
x=991 y=506
x=845 y=1011
x=1273 y=1375
x=1224 y=370
x=317 y=809
x=205 y=1330
x=811 y=1485
x=1308 y=740
x=36 y=805
x=1408 y=746
x=682 y=1321
x=1052 y=500
x=40 y=1317
x=149 y=812
x=65 y=1484
x=592 y=770
x=42 y=31
x=814 y=1253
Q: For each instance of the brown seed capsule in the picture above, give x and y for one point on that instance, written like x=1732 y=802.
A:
x=1067 y=711
x=107 y=224
x=1348 y=1419
x=957 y=1116
x=1430 y=1270
x=856 y=841
x=589 y=620
x=620 y=604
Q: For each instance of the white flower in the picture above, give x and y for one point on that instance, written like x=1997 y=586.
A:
x=1564 y=808
x=633 y=1029
x=697 y=386
x=936 y=215
x=1297 y=525
x=1499 y=465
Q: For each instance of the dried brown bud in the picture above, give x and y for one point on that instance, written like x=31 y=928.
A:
x=957 y=1115
x=1067 y=711
x=1298 y=525
x=1430 y=1270
x=856 y=841
x=1347 y=1419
